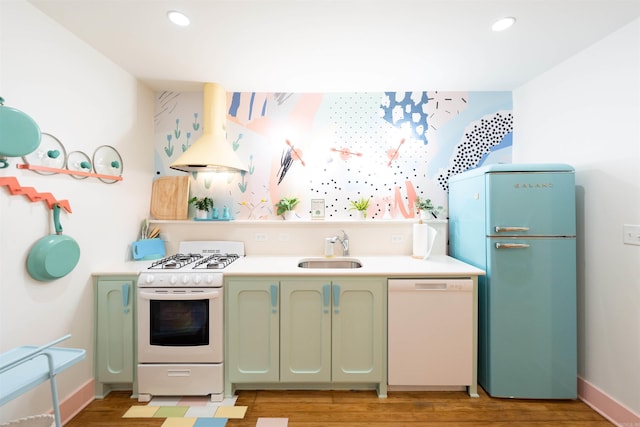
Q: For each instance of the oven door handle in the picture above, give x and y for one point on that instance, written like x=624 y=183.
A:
x=179 y=295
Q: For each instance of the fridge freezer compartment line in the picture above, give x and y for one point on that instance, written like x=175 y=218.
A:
x=532 y=236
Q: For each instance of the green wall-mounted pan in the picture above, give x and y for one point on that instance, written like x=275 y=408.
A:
x=53 y=256
x=19 y=133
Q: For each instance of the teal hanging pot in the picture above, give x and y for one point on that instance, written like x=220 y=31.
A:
x=19 y=134
x=53 y=256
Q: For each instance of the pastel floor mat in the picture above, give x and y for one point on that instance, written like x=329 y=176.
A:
x=196 y=412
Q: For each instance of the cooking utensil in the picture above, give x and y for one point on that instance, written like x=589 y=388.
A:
x=107 y=161
x=154 y=233
x=78 y=161
x=53 y=256
x=50 y=153
x=19 y=133
x=144 y=229
x=170 y=197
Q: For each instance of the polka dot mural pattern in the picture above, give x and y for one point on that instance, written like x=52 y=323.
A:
x=483 y=136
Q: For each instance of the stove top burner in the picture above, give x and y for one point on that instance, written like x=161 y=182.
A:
x=215 y=262
x=175 y=261
x=194 y=262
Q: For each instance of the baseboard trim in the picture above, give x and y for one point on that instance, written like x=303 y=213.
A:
x=77 y=401
x=606 y=406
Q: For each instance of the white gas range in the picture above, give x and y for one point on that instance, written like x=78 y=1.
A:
x=180 y=321
x=197 y=263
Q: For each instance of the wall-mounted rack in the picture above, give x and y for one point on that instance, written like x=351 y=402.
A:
x=32 y=194
x=51 y=157
x=68 y=172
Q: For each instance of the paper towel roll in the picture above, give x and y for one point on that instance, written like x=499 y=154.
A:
x=424 y=238
x=420 y=240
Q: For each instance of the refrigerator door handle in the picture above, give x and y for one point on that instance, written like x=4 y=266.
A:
x=511 y=245
x=510 y=229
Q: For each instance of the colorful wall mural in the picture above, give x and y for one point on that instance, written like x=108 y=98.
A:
x=389 y=147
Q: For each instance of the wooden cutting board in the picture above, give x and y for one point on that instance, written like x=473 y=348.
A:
x=170 y=197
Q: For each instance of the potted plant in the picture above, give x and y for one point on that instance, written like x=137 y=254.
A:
x=426 y=208
x=361 y=206
x=285 y=207
x=203 y=205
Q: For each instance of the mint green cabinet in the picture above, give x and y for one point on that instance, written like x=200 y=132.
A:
x=305 y=330
x=315 y=332
x=114 y=344
x=253 y=330
x=359 y=330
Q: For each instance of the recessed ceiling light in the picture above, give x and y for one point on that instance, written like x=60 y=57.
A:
x=178 y=18
x=503 y=24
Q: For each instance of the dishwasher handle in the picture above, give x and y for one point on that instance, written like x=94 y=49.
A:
x=430 y=285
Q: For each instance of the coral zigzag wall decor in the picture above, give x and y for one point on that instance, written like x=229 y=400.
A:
x=389 y=147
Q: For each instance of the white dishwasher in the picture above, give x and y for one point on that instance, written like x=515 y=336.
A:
x=431 y=335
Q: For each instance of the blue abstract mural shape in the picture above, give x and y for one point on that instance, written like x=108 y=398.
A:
x=236 y=102
x=507 y=141
x=407 y=112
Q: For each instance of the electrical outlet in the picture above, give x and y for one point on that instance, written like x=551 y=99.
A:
x=397 y=238
x=631 y=234
x=261 y=237
x=284 y=237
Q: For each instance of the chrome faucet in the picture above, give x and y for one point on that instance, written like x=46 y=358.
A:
x=344 y=241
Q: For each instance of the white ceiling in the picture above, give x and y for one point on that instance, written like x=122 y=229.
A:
x=339 y=45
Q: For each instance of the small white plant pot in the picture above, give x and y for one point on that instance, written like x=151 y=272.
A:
x=289 y=215
x=202 y=214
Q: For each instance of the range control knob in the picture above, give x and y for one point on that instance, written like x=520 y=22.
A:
x=148 y=278
x=197 y=279
x=173 y=280
x=185 y=279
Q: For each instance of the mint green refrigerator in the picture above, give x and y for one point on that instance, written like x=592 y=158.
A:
x=517 y=222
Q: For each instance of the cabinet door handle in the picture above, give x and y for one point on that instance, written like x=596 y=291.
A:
x=125 y=297
x=336 y=298
x=274 y=298
x=326 y=298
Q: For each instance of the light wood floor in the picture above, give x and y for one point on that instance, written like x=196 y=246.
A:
x=364 y=409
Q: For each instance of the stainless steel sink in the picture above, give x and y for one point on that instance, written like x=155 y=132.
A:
x=330 y=263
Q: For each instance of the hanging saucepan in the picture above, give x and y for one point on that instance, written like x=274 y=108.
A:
x=19 y=134
x=53 y=256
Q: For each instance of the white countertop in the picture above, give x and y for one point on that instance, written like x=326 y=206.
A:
x=388 y=266
x=396 y=266
x=125 y=268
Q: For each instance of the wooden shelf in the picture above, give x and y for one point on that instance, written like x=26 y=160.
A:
x=67 y=172
x=300 y=222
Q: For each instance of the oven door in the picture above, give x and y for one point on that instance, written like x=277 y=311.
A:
x=181 y=325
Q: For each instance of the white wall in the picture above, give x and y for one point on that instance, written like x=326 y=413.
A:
x=86 y=101
x=586 y=112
